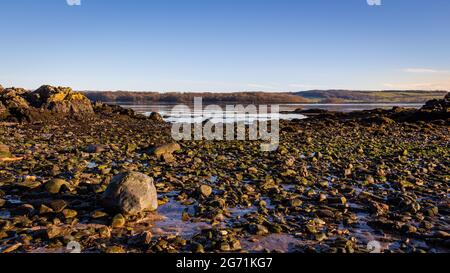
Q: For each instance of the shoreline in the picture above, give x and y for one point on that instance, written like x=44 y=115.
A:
x=337 y=182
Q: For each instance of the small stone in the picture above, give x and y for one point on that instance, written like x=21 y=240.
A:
x=296 y=203
x=236 y=245
x=224 y=246
x=168 y=158
x=321 y=237
x=370 y=179
x=68 y=213
x=347 y=172
x=143 y=238
x=96 y=148
x=409 y=229
x=58 y=205
x=322 y=197
x=156 y=117
x=432 y=211
x=54 y=186
x=53 y=232
x=442 y=234
x=167 y=149
x=290 y=161
x=337 y=200
x=197 y=248
x=258 y=229
x=4 y=151
x=115 y=250
x=104 y=232
x=12 y=248
x=118 y=221
x=206 y=190
x=44 y=209
x=98 y=214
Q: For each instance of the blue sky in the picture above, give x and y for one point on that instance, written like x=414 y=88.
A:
x=225 y=45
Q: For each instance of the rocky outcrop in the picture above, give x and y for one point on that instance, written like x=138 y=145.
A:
x=442 y=105
x=131 y=193
x=61 y=100
x=22 y=105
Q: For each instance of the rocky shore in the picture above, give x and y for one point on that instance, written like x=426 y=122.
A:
x=108 y=180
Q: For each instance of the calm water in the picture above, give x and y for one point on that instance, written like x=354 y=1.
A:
x=190 y=116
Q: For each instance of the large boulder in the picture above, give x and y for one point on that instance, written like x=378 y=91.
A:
x=62 y=100
x=131 y=193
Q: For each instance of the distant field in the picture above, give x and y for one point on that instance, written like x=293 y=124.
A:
x=314 y=96
x=346 y=96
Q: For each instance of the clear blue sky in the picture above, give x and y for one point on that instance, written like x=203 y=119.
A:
x=225 y=45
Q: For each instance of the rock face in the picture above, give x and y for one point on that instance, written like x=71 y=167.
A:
x=22 y=105
x=131 y=193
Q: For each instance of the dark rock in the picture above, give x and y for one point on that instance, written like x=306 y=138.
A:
x=111 y=110
x=96 y=148
x=156 y=117
x=442 y=105
x=131 y=193
x=258 y=229
x=54 y=186
x=311 y=111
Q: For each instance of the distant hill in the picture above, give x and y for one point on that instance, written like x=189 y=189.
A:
x=386 y=96
x=208 y=97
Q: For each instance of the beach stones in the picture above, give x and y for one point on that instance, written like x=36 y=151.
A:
x=205 y=190
x=54 y=186
x=96 y=148
x=166 y=149
x=258 y=229
x=4 y=151
x=131 y=193
x=118 y=221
